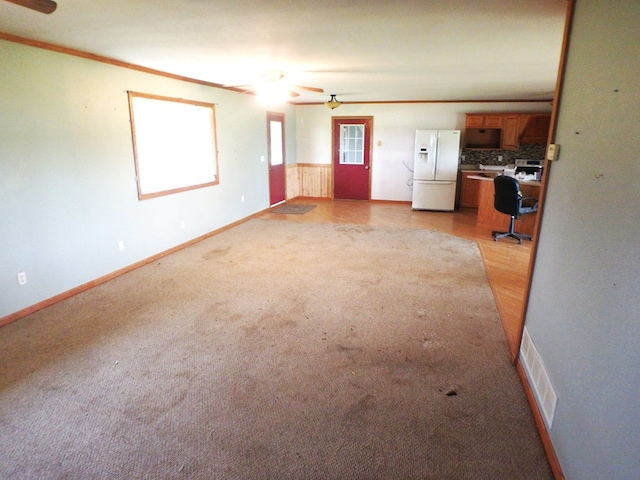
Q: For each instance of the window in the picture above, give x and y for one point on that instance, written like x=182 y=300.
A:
x=352 y=144
x=275 y=138
x=174 y=144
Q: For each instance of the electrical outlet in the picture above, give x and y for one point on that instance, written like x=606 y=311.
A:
x=120 y=245
x=242 y=198
x=262 y=158
x=22 y=278
x=499 y=158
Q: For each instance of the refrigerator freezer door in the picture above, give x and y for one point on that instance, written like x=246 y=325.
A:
x=425 y=156
x=448 y=155
x=429 y=195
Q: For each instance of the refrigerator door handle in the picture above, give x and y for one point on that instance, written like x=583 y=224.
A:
x=433 y=167
x=435 y=156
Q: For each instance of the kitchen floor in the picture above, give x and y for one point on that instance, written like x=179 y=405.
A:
x=506 y=262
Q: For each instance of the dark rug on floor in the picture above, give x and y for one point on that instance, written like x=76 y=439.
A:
x=294 y=209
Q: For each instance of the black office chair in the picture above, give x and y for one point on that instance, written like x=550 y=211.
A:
x=508 y=199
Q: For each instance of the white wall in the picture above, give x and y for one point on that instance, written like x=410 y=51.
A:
x=67 y=188
x=394 y=126
x=584 y=308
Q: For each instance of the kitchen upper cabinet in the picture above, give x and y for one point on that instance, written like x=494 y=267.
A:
x=493 y=121
x=483 y=121
x=505 y=131
x=474 y=121
x=511 y=132
x=536 y=129
x=483 y=131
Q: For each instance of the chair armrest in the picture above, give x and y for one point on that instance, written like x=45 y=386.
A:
x=524 y=208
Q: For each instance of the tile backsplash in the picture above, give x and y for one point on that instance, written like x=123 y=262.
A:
x=490 y=157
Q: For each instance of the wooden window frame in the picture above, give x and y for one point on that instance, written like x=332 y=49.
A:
x=202 y=174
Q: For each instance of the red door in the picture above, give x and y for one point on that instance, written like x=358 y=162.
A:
x=275 y=141
x=351 y=157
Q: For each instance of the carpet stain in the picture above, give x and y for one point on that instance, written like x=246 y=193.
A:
x=285 y=324
x=216 y=253
x=149 y=407
x=342 y=348
x=250 y=329
x=353 y=228
x=242 y=390
x=357 y=412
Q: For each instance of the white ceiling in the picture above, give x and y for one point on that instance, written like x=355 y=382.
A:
x=361 y=50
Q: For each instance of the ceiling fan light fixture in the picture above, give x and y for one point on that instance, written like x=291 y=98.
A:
x=272 y=93
x=333 y=102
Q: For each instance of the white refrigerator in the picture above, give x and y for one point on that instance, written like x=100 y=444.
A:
x=435 y=169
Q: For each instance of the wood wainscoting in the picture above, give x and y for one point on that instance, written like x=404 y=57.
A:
x=309 y=180
x=292 y=181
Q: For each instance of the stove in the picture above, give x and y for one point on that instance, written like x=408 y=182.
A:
x=530 y=168
x=523 y=162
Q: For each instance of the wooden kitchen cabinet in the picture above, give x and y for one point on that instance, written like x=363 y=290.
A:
x=536 y=129
x=483 y=131
x=493 y=121
x=474 y=120
x=505 y=131
x=469 y=190
x=490 y=217
x=511 y=132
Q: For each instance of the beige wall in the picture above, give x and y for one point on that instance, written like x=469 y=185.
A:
x=67 y=184
x=585 y=296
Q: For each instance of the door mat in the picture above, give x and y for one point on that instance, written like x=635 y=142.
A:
x=294 y=209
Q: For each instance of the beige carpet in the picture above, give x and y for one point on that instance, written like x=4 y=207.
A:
x=274 y=350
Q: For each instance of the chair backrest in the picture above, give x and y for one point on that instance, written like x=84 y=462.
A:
x=507 y=196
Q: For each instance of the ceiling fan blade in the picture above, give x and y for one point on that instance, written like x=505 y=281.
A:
x=310 y=89
x=43 y=6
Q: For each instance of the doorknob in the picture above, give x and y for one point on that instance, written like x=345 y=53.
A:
x=366 y=167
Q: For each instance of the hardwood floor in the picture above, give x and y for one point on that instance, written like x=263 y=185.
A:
x=506 y=261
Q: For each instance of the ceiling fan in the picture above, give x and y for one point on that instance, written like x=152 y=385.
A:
x=43 y=6
x=273 y=85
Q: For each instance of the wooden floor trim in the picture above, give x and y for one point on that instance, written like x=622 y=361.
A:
x=547 y=444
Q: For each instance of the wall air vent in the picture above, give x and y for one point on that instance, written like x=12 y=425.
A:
x=538 y=379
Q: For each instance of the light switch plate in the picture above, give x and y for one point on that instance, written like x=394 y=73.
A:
x=553 y=151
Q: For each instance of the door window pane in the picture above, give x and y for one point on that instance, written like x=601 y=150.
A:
x=276 y=142
x=352 y=144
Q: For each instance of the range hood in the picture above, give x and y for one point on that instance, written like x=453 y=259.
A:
x=536 y=130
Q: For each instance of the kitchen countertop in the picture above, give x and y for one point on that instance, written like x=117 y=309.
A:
x=491 y=175
x=483 y=168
